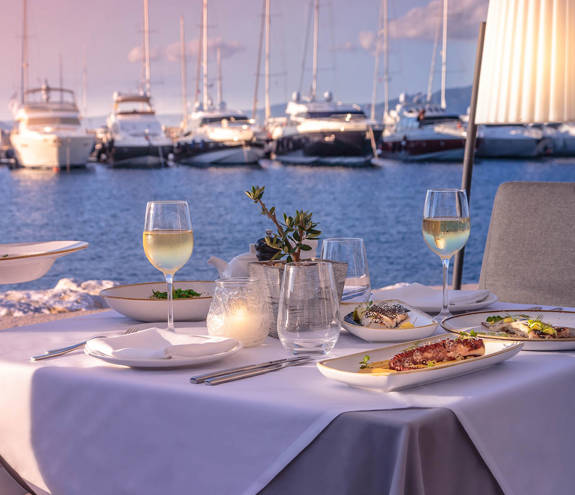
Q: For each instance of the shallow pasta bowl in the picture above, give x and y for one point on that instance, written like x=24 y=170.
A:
x=26 y=261
x=423 y=325
x=135 y=301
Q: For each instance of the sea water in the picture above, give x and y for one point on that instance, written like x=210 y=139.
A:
x=106 y=207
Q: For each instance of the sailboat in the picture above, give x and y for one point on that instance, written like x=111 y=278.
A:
x=322 y=132
x=134 y=137
x=417 y=130
x=48 y=132
x=216 y=135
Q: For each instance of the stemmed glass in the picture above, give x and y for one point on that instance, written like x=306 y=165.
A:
x=445 y=230
x=168 y=242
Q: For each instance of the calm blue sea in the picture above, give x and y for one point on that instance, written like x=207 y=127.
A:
x=383 y=205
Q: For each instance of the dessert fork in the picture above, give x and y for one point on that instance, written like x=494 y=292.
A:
x=65 y=350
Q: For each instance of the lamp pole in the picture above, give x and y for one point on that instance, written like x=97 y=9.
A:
x=470 y=140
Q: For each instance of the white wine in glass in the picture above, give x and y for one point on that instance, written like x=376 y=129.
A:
x=168 y=242
x=445 y=229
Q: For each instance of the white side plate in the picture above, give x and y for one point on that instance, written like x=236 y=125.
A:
x=346 y=368
x=472 y=321
x=134 y=301
x=175 y=362
x=423 y=323
x=26 y=261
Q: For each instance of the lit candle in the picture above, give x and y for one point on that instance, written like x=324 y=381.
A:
x=240 y=323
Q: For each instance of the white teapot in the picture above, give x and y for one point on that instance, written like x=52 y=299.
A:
x=237 y=267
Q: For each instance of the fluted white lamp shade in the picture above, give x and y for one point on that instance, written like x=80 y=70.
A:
x=528 y=67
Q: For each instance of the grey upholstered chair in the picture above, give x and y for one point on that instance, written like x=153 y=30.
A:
x=529 y=256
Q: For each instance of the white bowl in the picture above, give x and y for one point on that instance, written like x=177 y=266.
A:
x=134 y=301
x=26 y=261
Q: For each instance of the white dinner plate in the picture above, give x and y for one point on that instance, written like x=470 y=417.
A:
x=134 y=301
x=461 y=307
x=173 y=362
x=424 y=326
x=472 y=321
x=26 y=261
x=346 y=368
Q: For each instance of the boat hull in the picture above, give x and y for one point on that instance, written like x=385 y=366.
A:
x=445 y=149
x=492 y=147
x=50 y=152
x=137 y=156
x=323 y=145
x=215 y=154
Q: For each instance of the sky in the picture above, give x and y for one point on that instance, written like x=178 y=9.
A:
x=108 y=35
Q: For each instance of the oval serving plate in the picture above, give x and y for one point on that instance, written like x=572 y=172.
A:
x=345 y=369
x=134 y=301
x=472 y=321
x=424 y=326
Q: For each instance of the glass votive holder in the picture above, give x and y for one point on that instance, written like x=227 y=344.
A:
x=238 y=312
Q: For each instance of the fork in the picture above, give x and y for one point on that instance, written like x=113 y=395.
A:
x=65 y=350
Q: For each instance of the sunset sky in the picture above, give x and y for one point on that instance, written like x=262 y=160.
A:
x=109 y=32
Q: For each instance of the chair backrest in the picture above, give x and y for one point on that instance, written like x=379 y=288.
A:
x=529 y=256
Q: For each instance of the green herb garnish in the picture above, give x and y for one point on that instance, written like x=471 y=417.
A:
x=494 y=319
x=176 y=294
x=467 y=335
x=364 y=362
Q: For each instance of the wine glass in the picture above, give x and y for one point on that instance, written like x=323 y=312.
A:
x=350 y=250
x=445 y=230
x=168 y=242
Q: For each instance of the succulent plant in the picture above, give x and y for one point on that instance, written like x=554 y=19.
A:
x=291 y=234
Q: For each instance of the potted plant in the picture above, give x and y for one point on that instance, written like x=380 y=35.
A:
x=293 y=236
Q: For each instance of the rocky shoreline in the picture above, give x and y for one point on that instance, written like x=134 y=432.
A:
x=67 y=296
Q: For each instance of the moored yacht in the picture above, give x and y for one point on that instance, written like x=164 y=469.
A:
x=423 y=132
x=134 y=137
x=218 y=137
x=323 y=132
x=48 y=132
x=511 y=141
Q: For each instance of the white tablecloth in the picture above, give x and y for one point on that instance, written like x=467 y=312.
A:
x=78 y=425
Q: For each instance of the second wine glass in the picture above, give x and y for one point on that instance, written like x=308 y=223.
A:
x=168 y=242
x=446 y=229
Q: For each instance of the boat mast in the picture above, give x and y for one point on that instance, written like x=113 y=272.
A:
x=259 y=63
x=444 y=56
x=24 y=54
x=198 y=68
x=205 y=53
x=315 y=48
x=184 y=71
x=376 y=64
x=147 y=70
x=267 y=65
x=385 y=58
x=433 y=59
x=61 y=76
x=84 y=84
x=219 y=89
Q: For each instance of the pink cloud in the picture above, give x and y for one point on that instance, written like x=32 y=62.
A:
x=228 y=49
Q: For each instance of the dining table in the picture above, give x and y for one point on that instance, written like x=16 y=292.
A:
x=76 y=425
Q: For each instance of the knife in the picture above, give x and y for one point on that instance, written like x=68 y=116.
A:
x=240 y=375
x=249 y=367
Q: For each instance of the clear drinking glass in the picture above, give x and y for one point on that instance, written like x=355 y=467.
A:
x=350 y=250
x=445 y=230
x=168 y=242
x=308 y=315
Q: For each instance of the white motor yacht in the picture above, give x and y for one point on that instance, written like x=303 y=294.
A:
x=48 y=132
x=422 y=132
x=218 y=137
x=134 y=136
x=323 y=133
x=510 y=141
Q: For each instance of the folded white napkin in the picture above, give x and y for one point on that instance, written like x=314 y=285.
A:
x=419 y=295
x=154 y=343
